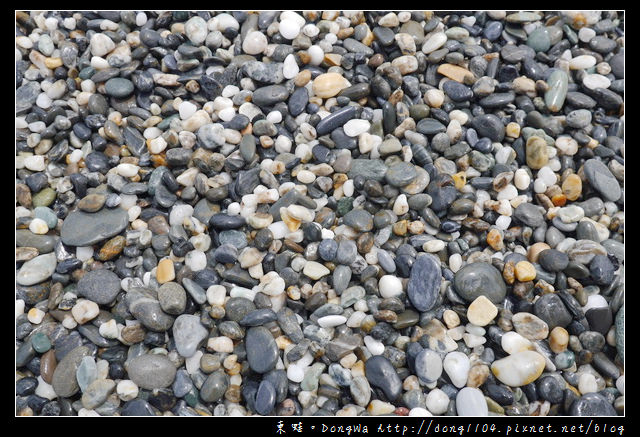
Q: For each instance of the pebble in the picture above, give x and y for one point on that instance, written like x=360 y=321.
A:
x=471 y=402
x=480 y=279
x=424 y=283
x=188 y=333
x=519 y=369
x=481 y=311
x=151 y=371
x=100 y=286
x=262 y=351
x=381 y=374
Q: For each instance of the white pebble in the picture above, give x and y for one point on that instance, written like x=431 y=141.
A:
x=437 y=401
x=587 y=383
x=186 y=109
x=582 y=62
x=390 y=286
x=419 y=412
x=141 y=19
x=289 y=29
x=455 y=262
x=508 y=193
x=586 y=34
x=45 y=389
x=127 y=170
x=355 y=127
x=503 y=222
x=539 y=186
x=127 y=390
x=593 y=81
x=375 y=347
x=521 y=179
x=316 y=54
x=295 y=373
x=19 y=307
x=38 y=226
x=220 y=344
x=84 y=310
x=290 y=68
x=331 y=321
x=196 y=260
x=109 y=329
x=157 y=145
x=43 y=101
x=84 y=253
x=254 y=43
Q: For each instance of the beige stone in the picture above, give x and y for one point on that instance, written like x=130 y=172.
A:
x=481 y=311
x=165 y=271
x=454 y=72
x=536 y=152
x=525 y=271
x=329 y=84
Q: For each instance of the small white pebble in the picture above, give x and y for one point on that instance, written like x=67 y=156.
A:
x=127 y=390
x=38 y=226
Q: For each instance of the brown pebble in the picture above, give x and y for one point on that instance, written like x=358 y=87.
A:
x=233 y=393
x=572 y=187
x=478 y=374
x=364 y=243
x=133 y=334
x=386 y=316
x=23 y=195
x=495 y=239
x=158 y=225
x=112 y=248
x=509 y=272
x=302 y=78
x=92 y=202
x=533 y=253
x=48 y=365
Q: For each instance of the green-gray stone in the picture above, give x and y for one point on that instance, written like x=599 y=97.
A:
x=369 y=168
x=40 y=342
x=248 y=147
x=564 y=360
x=558 y=85
x=311 y=378
x=480 y=278
x=344 y=205
x=44 y=243
x=418 y=112
x=87 y=372
x=44 y=197
x=620 y=332
x=539 y=40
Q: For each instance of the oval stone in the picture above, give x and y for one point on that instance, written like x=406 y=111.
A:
x=64 y=380
x=262 y=351
x=480 y=279
x=424 y=283
x=381 y=373
x=151 y=371
x=101 y=286
x=86 y=229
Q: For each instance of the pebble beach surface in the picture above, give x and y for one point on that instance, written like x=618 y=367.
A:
x=319 y=213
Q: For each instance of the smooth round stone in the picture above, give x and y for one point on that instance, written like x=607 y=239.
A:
x=151 y=371
x=254 y=43
x=490 y=126
x=602 y=270
x=359 y=219
x=37 y=269
x=265 y=398
x=328 y=249
x=215 y=386
x=480 y=279
x=86 y=229
x=188 y=333
x=381 y=373
x=269 y=95
x=137 y=407
x=390 y=286
x=551 y=309
x=64 y=380
x=471 y=402
x=40 y=343
x=600 y=178
x=329 y=84
x=437 y=401
x=172 y=298
x=401 y=174
x=428 y=366
x=196 y=30
x=424 y=282
x=539 y=40
x=262 y=351
x=118 y=87
x=369 y=168
x=529 y=214
x=557 y=90
x=519 y=369
x=553 y=260
x=101 y=286
x=457 y=91
x=457 y=365
x=592 y=404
